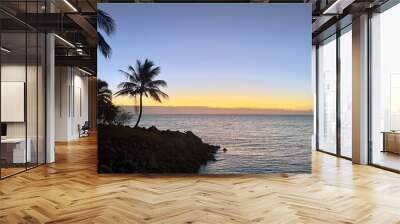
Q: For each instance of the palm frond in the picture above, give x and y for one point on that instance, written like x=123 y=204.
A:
x=157 y=94
x=105 y=22
x=104 y=92
x=126 y=74
x=131 y=69
x=128 y=85
x=134 y=76
x=153 y=72
x=157 y=83
x=102 y=44
x=101 y=83
x=162 y=94
x=126 y=92
x=104 y=95
x=148 y=64
x=145 y=70
x=138 y=68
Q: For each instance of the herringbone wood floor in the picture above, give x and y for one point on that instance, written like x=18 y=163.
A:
x=70 y=191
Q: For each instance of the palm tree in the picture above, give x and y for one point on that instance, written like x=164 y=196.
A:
x=107 y=24
x=104 y=94
x=107 y=112
x=140 y=81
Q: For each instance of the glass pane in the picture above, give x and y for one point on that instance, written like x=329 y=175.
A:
x=346 y=94
x=23 y=90
x=31 y=99
x=32 y=90
x=314 y=79
x=385 y=84
x=41 y=98
x=327 y=96
x=13 y=87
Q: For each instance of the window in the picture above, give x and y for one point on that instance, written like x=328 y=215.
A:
x=346 y=93
x=327 y=95
x=385 y=89
x=22 y=93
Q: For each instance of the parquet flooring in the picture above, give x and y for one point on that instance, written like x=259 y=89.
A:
x=70 y=191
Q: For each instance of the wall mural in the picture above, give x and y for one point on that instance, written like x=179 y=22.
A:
x=204 y=88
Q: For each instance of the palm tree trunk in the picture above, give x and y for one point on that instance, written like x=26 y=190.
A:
x=140 y=110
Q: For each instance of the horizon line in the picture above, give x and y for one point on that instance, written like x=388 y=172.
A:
x=233 y=114
x=203 y=110
x=223 y=108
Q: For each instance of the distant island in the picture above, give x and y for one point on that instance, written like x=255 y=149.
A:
x=215 y=111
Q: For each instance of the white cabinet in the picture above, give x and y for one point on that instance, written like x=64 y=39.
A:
x=19 y=155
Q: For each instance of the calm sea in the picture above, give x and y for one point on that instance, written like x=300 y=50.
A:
x=254 y=143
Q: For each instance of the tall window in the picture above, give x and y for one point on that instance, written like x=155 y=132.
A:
x=385 y=88
x=327 y=95
x=14 y=155
x=346 y=92
x=22 y=88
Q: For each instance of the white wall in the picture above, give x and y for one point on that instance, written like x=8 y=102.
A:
x=13 y=101
x=33 y=126
x=61 y=105
x=14 y=72
x=17 y=73
x=80 y=110
x=71 y=102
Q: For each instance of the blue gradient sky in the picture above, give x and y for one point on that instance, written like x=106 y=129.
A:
x=217 y=55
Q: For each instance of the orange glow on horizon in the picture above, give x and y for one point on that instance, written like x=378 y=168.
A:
x=294 y=103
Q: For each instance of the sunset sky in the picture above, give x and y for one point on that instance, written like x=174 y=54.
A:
x=216 y=55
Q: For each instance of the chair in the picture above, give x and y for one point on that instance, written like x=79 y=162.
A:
x=84 y=130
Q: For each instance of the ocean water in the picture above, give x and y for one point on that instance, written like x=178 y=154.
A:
x=254 y=143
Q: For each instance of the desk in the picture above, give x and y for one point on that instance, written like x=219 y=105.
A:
x=391 y=141
x=15 y=148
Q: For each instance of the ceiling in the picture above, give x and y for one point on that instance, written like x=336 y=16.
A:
x=74 y=21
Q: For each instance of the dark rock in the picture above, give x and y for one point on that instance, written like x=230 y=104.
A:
x=123 y=149
x=153 y=129
x=225 y=150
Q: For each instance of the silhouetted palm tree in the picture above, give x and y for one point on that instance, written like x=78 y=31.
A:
x=104 y=94
x=107 y=112
x=107 y=24
x=140 y=81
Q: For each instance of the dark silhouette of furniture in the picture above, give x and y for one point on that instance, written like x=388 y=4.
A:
x=391 y=141
x=84 y=130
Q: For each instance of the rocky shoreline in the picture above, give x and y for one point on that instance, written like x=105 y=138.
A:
x=123 y=149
